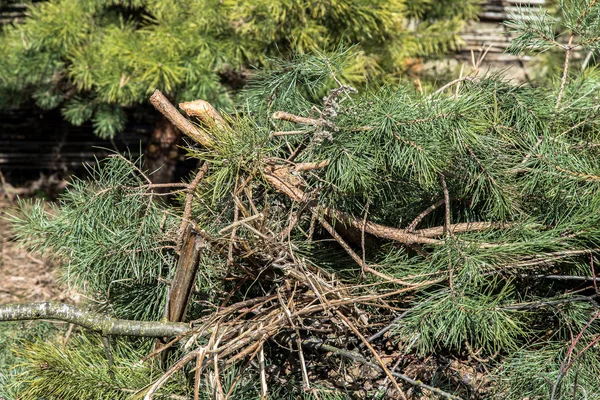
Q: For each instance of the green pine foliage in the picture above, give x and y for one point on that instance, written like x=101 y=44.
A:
x=90 y=58
x=121 y=237
x=546 y=32
x=81 y=370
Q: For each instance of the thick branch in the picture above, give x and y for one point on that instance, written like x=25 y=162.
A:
x=162 y=104
x=281 y=176
x=185 y=275
x=91 y=320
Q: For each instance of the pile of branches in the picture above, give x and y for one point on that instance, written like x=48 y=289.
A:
x=301 y=304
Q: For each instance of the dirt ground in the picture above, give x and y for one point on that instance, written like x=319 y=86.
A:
x=24 y=276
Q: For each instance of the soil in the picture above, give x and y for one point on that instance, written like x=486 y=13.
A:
x=24 y=276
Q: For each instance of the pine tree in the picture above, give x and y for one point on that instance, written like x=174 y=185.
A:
x=460 y=226
x=92 y=59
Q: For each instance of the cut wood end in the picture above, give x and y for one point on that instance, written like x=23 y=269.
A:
x=279 y=115
x=196 y=108
x=204 y=111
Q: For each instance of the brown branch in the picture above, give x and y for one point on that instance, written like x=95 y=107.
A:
x=185 y=275
x=382 y=231
x=284 y=116
x=362 y=235
x=189 y=197
x=281 y=177
x=311 y=165
x=205 y=112
x=91 y=320
x=356 y=257
x=461 y=227
x=447 y=220
x=162 y=104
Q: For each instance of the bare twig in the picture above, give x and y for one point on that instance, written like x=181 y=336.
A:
x=565 y=73
x=383 y=331
x=461 y=227
x=355 y=256
x=263 y=374
x=288 y=133
x=284 y=116
x=199 y=363
x=447 y=221
x=241 y=222
x=568 y=361
x=176 y=367
x=548 y=303
x=451 y=83
x=189 y=197
x=411 y=227
x=205 y=111
x=362 y=236
x=310 y=165
x=563 y=278
x=305 y=381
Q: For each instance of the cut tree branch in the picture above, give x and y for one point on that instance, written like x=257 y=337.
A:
x=91 y=320
x=162 y=104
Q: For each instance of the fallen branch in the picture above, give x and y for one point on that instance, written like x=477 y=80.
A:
x=91 y=320
x=413 y=225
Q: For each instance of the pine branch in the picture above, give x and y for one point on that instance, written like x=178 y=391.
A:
x=91 y=320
